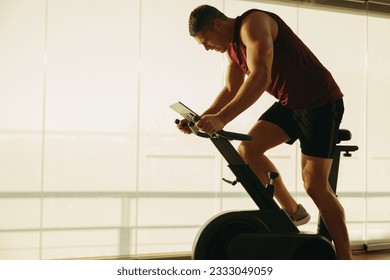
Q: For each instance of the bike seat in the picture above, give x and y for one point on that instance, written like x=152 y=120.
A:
x=344 y=135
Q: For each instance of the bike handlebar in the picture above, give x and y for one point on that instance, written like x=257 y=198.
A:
x=220 y=134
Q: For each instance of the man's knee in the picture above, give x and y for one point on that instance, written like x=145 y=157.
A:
x=247 y=151
x=315 y=173
x=316 y=186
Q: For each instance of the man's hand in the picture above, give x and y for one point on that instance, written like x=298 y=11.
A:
x=183 y=126
x=210 y=124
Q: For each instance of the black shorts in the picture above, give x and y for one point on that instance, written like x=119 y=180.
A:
x=317 y=128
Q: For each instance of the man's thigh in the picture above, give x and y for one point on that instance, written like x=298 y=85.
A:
x=266 y=135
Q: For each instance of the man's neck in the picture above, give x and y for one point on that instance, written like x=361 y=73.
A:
x=230 y=24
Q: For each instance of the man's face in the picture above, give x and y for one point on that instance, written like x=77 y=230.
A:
x=212 y=40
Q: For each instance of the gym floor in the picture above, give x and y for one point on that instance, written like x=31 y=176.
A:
x=356 y=255
x=373 y=255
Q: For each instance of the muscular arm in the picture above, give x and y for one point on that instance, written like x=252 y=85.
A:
x=257 y=33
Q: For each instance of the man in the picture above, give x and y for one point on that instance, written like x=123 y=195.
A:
x=260 y=45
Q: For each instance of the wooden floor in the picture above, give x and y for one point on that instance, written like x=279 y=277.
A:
x=373 y=255
x=356 y=255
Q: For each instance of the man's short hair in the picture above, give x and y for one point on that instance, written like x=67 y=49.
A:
x=202 y=19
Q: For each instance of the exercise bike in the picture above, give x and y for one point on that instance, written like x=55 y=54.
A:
x=267 y=233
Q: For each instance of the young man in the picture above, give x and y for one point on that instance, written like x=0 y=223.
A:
x=309 y=108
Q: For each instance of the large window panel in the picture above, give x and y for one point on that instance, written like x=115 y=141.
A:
x=22 y=48
x=91 y=95
x=22 y=37
x=378 y=136
x=91 y=117
x=378 y=83
x=92 y=65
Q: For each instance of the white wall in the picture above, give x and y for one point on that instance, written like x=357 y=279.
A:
x=91 y=163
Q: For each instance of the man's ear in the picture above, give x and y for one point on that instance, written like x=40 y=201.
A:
x=217 y=24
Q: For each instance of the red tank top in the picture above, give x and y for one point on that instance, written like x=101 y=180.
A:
x=299 y=80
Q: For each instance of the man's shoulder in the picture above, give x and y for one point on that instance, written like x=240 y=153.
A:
x=259 y=21
x=256 y=17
